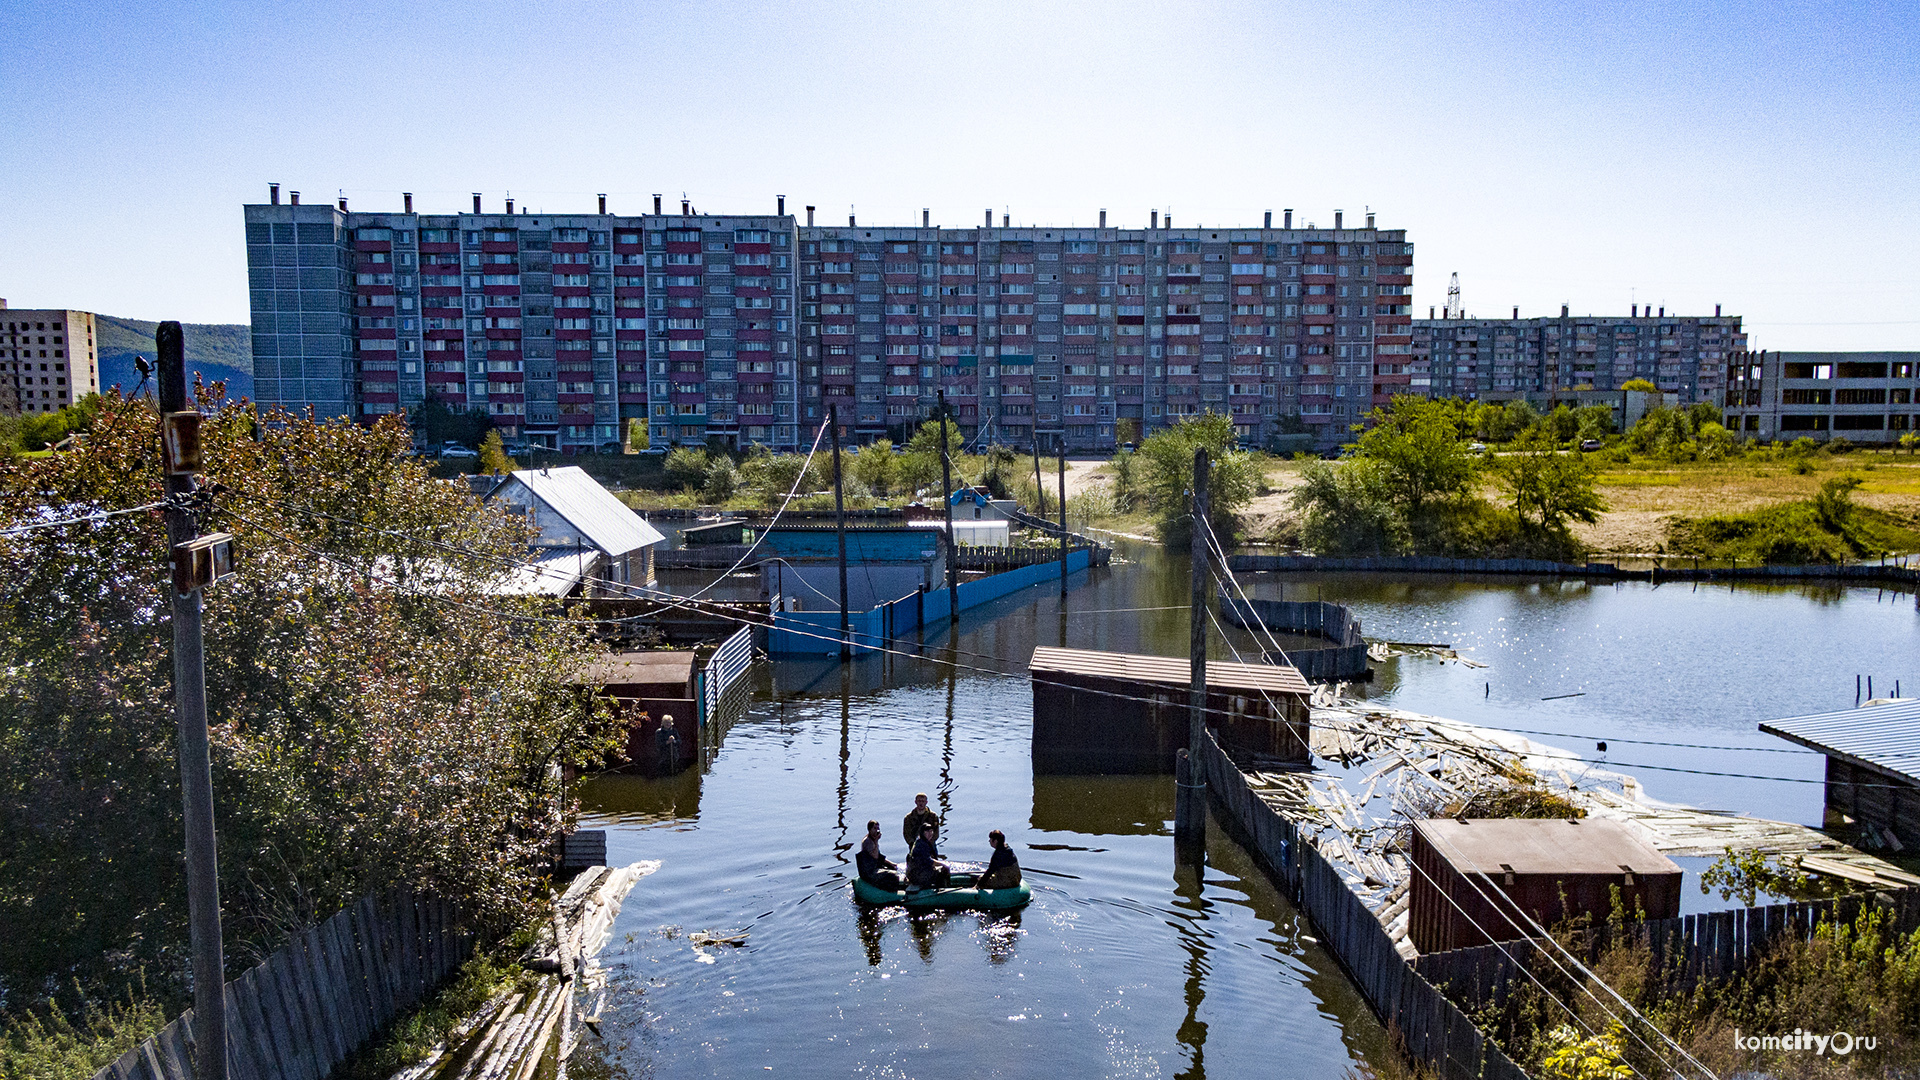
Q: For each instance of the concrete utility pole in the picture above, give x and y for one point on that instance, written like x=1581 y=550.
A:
x=180 y=438
x=953 y=542
x=1189 y=772
x=840 y=526
x=1039 y=482
x=1063 y=516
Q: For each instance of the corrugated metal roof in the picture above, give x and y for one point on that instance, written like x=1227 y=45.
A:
x=553 y=572
x=1173 y=670
x=1884 y=738
x=1542 y=846
x=606 y=521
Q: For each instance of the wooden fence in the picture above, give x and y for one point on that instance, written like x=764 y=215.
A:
x=322 y=997
x=1344 y=660
x=1432 y=564
x=1436 y=1032
x=1698 y=948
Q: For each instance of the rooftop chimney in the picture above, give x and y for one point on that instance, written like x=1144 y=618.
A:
x=406 y=202
x=809 y=217
x=1663 y=308
x=1153 y=219
x=1430 y=310
x=988 y=224
x=273 y=193
x=1006 y=220
x=509 y=206
x=686 y=208
x=1336 y=219
x=294 y=198
x=926 y=217
x=1716 y=311
x=780 y=206
x=476 y=202
x=1516 y=311
x=1169 y=221
x=603 y=202
x=343 y=204
x=656 y=202
x=1287 y=220
x=1563 y=311
x=1269 y=223
x=1103 y=219
x=1369 y=219
x=1636 y=311
x=851 y=223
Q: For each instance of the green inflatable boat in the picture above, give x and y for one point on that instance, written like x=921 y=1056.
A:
x=960 y=896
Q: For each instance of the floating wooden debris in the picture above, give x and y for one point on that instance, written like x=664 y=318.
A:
x=509 y=1037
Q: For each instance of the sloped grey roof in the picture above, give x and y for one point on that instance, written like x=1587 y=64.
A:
x=1884 y=738
x=602 y=519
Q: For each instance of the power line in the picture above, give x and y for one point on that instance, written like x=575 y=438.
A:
x=83 y=519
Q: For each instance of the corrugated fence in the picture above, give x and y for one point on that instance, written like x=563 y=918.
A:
x=1344 y=660
x=1436 y=1032
x=322 y=997
x=1431 y=564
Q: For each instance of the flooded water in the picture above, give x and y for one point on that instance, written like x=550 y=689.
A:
x=1123 y=966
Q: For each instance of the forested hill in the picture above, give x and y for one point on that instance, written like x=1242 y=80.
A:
x=216 y=351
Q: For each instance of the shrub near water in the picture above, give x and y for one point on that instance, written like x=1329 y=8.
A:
x=1828 y=528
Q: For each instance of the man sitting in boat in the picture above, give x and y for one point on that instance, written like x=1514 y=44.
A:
x=919 y=816
x=925 y=870
x=1003 y=870
x=876 y=869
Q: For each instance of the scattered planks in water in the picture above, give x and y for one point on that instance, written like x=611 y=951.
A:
x=513 y=1034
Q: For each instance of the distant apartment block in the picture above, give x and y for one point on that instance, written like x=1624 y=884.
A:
x=1495 y=359
x=48 y=359
x=1861 y=396
x=748 y=328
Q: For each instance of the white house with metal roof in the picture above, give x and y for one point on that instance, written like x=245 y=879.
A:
x=583 y=523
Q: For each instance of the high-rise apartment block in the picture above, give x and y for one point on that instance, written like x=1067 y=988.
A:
x=748 y=328
x=48 y=359
x=1509 y=358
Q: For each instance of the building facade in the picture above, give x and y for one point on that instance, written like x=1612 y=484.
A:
x=749 y=329
x=48 y=359
x=1497 y=359
x=1861 y=396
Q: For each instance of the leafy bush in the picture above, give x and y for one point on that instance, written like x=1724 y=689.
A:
x=1828 y=528
x=1167 y=478
x=59 y=1042
x=687 y=466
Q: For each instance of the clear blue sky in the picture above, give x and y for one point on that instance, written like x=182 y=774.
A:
x=1761 y=157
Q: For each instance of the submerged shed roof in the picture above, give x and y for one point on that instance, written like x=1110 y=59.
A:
x=625 y=669
x=1884 y=738
x=1171 y=670
x=602 y=519
x=1542 y=846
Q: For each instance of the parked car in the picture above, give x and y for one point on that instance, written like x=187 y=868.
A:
x=654 y=451
x=1477 y=447
x=454 y=450
x=1591 y=444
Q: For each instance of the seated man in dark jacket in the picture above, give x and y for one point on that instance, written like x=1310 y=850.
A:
x=876 y=869
x=925 y=870
x=1003 y=870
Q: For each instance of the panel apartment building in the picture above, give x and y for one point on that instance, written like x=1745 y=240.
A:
x=748 y=328
x=48 y=359
x=1502 y=359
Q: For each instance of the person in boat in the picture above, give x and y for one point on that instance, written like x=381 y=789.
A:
x=925 y=869
x=1003 y=870
x=876 y=869
x=919 y=816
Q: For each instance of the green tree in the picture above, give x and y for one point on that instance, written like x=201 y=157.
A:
x=1562 y=424
x=493 y=456
x=1167 y=479
x=1002 y=471
x=686 y=466
x=927 y=441
x=721 y=479
x=1126 y=430
x=439 y=423
x=770 y=477
x=1911 y=441
x=1548 y=487
x=1416 y=444
x=378 y=716
x=1595 y=421
x=1349 y=509
x=916 y=469
x=1642 y=385
x=637 y=435
x=873 y=465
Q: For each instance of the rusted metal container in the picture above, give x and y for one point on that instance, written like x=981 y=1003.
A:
x=1104 y=712
x=1481 y=880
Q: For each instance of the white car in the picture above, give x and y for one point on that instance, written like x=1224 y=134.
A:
x=458 y=451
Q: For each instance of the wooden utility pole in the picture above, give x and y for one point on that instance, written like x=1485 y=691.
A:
x=1190 y=772
x=840 y=526
x=1063 y=516
x=180 y=438
x=1039 y=484
x=953 y=542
